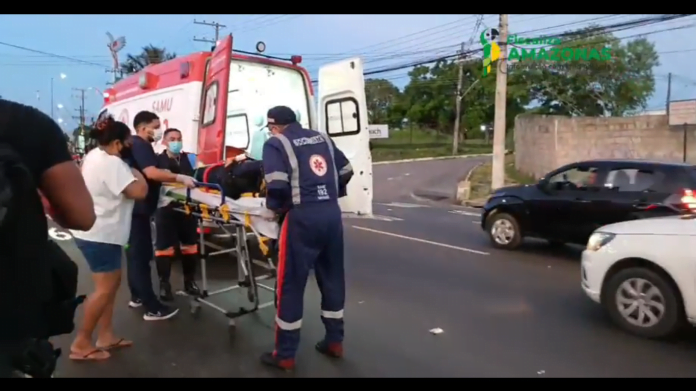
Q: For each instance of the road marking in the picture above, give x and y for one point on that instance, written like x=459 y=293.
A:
x=404 y=205
x=374 y=217
x=465 y=213
x=476 y=222
x=468 y=250
x=59 y=235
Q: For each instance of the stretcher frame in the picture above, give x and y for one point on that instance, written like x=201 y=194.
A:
x=247 y=281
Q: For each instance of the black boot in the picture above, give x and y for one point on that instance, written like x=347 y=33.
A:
x=279 y=363
x=191 y=288
x=334 y=350
x=166 y=291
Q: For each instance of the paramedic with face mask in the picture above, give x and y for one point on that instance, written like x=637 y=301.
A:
x=305 y=175
x=139 y=253
x=175 y=229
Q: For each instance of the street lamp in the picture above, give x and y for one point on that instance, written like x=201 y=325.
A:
x=62 y=77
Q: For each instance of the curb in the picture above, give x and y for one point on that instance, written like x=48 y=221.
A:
x=426 y=159
x=464 y=186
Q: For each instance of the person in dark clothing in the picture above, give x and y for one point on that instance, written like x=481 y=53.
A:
x=175 y=229
x=305 y=175
x=25 y=276
x=139 y=253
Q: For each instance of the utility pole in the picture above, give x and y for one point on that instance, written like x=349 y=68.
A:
x=118 y=75
x=458 y=102
x=81 y=110
x=217 y=26
x=460 y=80
x=669 y=90
x=499 y=122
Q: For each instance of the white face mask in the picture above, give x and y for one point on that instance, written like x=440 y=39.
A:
x=158 y=135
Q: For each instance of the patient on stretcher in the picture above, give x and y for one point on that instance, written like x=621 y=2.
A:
x=235 y=177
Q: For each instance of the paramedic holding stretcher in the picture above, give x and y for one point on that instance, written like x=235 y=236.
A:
x=305 y=175
x=139 y=254
x=174 y=228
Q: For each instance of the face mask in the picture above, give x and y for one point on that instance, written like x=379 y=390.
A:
x=175 y=147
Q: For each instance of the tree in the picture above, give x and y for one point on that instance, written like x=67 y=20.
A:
x=591 y=87
x=149 y=55
x=382 y=102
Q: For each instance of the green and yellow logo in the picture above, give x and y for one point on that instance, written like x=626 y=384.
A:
x=545 y=54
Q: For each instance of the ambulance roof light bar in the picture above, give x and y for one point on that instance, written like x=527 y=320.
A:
x=263 y=55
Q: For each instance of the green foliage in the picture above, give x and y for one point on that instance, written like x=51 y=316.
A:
x=149 y=55
x=576 y=88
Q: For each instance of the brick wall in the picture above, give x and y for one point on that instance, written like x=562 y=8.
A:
x=543 y=143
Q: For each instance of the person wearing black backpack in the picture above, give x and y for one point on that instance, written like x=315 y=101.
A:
x=38 y=281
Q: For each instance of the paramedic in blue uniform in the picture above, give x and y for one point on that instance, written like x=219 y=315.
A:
x=175 y=229
x=139 y=253
x=305 y=175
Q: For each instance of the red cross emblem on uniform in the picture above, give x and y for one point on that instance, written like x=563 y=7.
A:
x=318 y=164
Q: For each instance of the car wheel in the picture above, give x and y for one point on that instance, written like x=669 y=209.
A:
x=644 y=303
x=504 y=231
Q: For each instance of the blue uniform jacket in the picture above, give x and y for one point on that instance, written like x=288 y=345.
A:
x=303 y=166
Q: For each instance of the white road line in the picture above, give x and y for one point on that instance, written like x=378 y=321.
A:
x=468 y=250
x=374 y=217
x=465 y=213
x=404 y=205
x=476 y=222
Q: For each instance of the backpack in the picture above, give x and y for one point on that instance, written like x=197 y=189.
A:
x=39 y=266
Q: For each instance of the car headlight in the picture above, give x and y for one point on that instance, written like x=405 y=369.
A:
x=599 y=240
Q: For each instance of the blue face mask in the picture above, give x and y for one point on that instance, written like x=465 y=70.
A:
x=175 y=147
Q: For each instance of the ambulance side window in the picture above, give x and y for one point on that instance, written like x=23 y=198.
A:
x=210 y=107
x=342 y=117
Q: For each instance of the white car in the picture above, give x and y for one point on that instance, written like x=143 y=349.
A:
x=644 y=273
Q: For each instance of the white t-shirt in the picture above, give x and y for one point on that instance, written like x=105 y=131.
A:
x=106 y=177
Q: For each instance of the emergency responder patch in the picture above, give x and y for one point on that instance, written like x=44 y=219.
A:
x=318 y=164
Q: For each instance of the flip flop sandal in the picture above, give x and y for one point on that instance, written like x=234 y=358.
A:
x=121 y=343
x=90 y=356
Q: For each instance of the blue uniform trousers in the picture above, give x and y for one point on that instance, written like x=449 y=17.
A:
x=138 y=257
x=311 y=237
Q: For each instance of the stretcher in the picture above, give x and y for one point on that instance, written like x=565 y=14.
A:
x=240 y=220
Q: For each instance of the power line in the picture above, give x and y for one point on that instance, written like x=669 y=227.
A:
x=215 y=25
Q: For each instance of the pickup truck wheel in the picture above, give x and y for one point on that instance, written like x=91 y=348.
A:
x=644 y=303
x=504 y=231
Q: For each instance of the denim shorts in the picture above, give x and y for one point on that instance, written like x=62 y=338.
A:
x=101 y=257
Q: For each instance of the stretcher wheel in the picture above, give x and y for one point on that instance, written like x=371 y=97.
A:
x=195 y=309
x=232 y=328
x=251 y=296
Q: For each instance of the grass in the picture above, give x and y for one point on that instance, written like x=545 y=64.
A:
x=418 y=143
x=481 y=178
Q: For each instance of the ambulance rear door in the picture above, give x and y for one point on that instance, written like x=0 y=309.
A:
x=213 y=119
x=343 y=116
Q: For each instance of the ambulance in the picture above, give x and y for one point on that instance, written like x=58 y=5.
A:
x=219 y=99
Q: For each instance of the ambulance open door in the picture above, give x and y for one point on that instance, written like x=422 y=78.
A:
x=343 y=116
x=214 y=106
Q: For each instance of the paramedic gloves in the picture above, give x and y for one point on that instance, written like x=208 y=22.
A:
x=186 y=181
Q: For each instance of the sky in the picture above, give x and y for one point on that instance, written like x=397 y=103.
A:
x=382 y=40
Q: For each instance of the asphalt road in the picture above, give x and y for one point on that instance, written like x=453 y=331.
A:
x=414 y=268
x=435 y=179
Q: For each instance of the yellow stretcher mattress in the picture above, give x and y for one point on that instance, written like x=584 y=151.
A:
x=247 y=210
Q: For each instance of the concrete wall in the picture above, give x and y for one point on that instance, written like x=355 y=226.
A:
x=543 y=143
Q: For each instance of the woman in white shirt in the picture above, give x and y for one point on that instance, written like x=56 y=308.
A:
x=114 y=186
